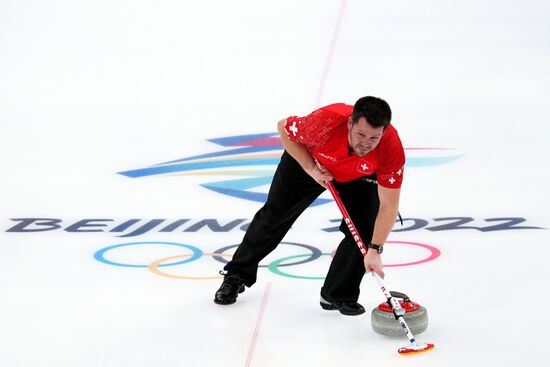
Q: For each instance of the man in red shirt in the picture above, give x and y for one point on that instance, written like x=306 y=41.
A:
x=358 y=149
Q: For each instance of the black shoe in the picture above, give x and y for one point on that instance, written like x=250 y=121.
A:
x=345 y=308
x=229 y=291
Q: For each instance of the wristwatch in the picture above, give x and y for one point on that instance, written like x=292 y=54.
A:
x=377 y=248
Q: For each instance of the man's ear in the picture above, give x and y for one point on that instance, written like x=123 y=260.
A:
x=349 y=123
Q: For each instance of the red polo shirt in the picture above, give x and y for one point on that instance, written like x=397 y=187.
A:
x=325 y=133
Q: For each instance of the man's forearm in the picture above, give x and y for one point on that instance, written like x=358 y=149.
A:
x=387 y=212
x=384 y=224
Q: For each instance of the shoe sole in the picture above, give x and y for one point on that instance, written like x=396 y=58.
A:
x=225 y=303
x=325 y=305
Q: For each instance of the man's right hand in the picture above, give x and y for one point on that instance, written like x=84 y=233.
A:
x=321 y=175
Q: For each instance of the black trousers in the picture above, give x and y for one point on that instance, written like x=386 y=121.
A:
x=292 y=191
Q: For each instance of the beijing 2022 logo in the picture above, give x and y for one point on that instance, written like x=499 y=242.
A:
x=248 y=162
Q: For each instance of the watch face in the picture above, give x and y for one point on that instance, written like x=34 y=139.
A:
x=378 y=248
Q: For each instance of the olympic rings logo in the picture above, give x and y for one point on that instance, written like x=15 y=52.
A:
x=221 y=255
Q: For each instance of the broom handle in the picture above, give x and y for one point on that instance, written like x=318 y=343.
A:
x=347 y=218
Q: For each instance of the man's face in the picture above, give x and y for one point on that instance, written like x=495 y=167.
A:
x=362 y=137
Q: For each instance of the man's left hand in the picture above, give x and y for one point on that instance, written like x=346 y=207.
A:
x=373 y=262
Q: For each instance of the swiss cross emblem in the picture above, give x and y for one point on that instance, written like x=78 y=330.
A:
x=392 y=180
x=293 y=128
x=400 y=171
x=365 y=168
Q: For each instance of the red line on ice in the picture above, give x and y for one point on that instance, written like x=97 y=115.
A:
x=258 y=324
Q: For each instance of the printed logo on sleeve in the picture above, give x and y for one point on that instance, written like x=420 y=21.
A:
x=393 y=177
x=293 y=128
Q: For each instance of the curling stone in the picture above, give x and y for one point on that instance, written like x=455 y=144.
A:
x=383 y=320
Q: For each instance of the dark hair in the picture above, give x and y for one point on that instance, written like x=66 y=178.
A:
x=375 y=110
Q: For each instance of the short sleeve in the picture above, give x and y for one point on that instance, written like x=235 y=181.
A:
x=391 y=161
x=313 y=129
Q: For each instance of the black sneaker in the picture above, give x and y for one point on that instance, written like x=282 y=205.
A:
x=345 y=308
x=229 y=291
